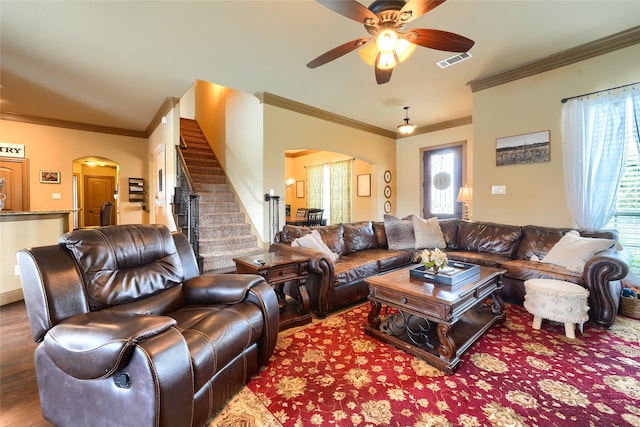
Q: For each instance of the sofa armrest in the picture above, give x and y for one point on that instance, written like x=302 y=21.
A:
x=601 y=276
x=96 y=344
x=321 y=278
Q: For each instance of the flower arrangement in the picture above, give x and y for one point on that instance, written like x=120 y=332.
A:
x=435 y=259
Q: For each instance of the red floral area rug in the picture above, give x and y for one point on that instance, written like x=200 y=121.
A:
x=330 y=373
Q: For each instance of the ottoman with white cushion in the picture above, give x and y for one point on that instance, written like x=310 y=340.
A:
x=557 y=300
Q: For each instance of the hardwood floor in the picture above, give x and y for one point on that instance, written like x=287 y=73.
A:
x=19 y=401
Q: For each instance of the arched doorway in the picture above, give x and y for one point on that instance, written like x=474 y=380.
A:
x=95 y=181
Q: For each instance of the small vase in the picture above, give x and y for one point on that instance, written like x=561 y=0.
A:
x=435 y=269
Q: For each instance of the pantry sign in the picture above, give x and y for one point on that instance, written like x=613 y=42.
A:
x=11 y=150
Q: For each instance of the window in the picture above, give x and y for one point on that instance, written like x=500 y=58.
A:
x=442 y=180
x=626 y=216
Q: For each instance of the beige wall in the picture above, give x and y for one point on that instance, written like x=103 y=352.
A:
x=53 y=148
x=408 y=181
x=535 y=192
x=287 y=130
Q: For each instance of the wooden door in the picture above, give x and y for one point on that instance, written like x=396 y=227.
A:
x=16 y=187
x=97 y=190
x=442 y=180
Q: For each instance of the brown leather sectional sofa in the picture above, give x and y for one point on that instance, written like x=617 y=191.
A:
x=363 y=251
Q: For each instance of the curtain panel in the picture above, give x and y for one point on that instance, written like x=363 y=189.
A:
x=594 y=131
x=315 y=180
x=341 y=179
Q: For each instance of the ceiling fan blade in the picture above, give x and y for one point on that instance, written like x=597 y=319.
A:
x=337 y=52
x=438 y=39
x=350 y=9
x=416 y=8
x=382 y=75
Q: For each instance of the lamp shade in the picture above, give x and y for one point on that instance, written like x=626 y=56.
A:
x=464 y=195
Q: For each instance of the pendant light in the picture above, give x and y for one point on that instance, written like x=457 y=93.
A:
x=406 y=128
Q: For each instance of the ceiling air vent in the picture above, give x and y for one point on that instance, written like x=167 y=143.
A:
x=454 y=60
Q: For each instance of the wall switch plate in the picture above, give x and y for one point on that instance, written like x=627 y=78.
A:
x=56 y=196
x=498 y=189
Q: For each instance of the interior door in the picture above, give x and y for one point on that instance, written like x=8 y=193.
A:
x=97 y=190
x=442 y=180
x=16 y=187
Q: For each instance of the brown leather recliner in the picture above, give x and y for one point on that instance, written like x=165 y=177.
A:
x=132 y=335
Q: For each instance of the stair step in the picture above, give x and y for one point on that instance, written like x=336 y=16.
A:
x=224 y=231
x=221 y=219
x=213 y=209
x=215 y=246
x=225 y=259
x=204 y=170
x=200 y=161
x=208 y=179
x=215 y=198
x=212 y=188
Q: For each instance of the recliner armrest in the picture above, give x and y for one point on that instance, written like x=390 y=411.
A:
x=95 y=345
x=219 y=288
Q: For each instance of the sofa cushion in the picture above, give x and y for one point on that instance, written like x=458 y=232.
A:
x=399 y=232
x=572 y=251
x=381 y=235
x=522 y=269
x=332 y=236
x=292 y=232
x=449 y=229
x=538 y=241
x=351 y=268
x=428 y=233
x=314 y=241
x=487 y=259
x=498 y=239
x=359 y=236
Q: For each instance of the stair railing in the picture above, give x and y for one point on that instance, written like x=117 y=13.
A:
x=186 y=205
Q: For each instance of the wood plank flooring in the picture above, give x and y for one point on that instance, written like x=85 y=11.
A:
x=19 y=401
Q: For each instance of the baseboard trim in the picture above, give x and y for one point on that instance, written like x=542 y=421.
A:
x=11 y=296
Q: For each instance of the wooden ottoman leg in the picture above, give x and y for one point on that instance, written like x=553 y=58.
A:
x=569 y=330
x=537 y=322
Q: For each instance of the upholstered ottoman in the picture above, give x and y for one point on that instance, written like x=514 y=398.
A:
x=558 y=301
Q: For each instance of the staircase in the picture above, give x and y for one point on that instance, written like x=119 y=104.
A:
x=224 y=233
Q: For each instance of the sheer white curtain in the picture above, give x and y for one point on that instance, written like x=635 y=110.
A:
x=594 y=131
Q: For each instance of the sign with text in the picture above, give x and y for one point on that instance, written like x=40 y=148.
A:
x=11 y=150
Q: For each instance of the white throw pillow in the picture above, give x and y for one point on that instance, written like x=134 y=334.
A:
x=314 y=241
x=572 y=251
x=428 y=233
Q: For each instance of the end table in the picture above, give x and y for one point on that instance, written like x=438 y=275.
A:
x=279 y=269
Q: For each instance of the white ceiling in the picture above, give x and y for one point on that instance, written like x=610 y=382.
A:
x=113 y=63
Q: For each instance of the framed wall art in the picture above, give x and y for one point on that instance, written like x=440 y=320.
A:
x=364 y=185
x=522 y=149
x=50 y=177
x=300 y=189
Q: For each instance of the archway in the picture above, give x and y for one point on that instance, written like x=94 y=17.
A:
x=95 y=181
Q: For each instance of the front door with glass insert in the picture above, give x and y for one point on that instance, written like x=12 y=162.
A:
x=442 y=180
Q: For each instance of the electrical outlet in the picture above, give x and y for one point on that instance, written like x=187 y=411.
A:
x=56 y=196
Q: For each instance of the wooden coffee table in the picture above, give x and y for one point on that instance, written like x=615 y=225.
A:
x=434 y=321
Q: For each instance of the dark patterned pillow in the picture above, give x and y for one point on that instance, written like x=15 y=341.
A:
x=399 y=232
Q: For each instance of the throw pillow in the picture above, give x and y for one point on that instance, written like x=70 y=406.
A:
x=314 y=241
x=399 y=233
x=428 y=233
x=573 y=251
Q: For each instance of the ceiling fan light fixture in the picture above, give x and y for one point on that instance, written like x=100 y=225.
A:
x=404 y=49
x=406 y=128
x=386 y=61
x=387 y=40
x=369 y=53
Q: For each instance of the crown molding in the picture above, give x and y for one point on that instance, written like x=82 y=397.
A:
x=298 y=107
x=166 y=107
x=447 y=124
x=579 y=53
x=15 y=117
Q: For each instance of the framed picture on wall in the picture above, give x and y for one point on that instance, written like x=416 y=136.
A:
x=300 y=189
x=50 y=177
x=364 y=185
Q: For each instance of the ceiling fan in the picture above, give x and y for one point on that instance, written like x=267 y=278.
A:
x=385 y=20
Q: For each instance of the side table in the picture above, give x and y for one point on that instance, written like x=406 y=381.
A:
x=279 y=269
